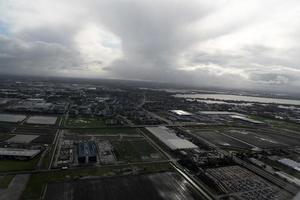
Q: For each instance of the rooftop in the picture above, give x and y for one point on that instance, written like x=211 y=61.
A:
x=18 y=152
x=170 y=139
x=180 y=112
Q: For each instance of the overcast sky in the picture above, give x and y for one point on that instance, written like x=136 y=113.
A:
x=228 y=43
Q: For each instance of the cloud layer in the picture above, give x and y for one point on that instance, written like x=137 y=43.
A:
x=226 y=43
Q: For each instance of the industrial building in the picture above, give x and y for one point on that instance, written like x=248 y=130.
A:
x=246 y=119
x=180 y=115
x=290 y=163
x=18 y=154
x=87 y=152
x=170 y=139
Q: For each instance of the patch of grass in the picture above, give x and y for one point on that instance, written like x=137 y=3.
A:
x=47 y=157
x=5 y=181
x=282 y=167
x=6 y=126
x=125 y=151
x=144 y=148
x=278 y=123
x=5 y=136
x=85 y=122
x=107 y=131
x=133 y=150
x=18 y=165
x=37 y=182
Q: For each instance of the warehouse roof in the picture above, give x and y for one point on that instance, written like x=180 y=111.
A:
x=291 y=163
x=170 y=139
x=219 y=113
x=180 y=112
x=18 y=152
x=87 y=149
x=246 y=119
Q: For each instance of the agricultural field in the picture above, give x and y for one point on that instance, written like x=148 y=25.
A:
x=5 y=136
x=11 y=118
x=157 y=186
x=5 y=181
x=6 y=127
x=262 y=139
x=219 y=139
x=135 y=150
x=85 y=122
x=37 y=182
x=18 y=165
x=107 y=131
x=43 y=135
x=45 y=120
x=247 y=138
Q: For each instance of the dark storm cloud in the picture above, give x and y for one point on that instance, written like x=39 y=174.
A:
x=226 y=43
x=152 y=34
x=17 y=57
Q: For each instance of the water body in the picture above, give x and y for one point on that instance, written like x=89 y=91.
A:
x=227 y=97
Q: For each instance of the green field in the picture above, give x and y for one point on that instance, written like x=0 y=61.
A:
x=85 y=122
x=47 y=157
x=5 y=181
x=37 y=182
x=5 y=136
x=278 y=123
x=16 y=165
x=6 y=127
x=107 y=131
x=134 y=150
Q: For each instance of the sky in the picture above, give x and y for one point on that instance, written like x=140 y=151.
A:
x=249 y=44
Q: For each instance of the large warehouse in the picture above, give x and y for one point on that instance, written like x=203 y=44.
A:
x=87 y=152
x=18 y=154
x=170 y=139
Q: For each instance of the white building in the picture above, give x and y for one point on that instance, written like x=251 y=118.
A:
x=169 y=138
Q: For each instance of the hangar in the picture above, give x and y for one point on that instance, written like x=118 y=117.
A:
x=87 y=152
x=18 y=154
x=170 y=139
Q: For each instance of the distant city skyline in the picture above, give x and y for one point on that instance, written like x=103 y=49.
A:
x=248 y=44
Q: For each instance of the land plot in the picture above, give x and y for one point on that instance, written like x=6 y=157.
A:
x=282 y=136
x=107 y=131
x=6 y=127
x=35 y=130
x=47 y=120
x=43 y=139
x=22 y=139
x=17 y=165
x=220 y=139
x=259 y=139
x=85 y=122
x=159 y=186
x=38 y=181
x=11 y=118
x=135 y=150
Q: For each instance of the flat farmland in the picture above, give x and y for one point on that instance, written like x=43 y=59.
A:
x=259 y=139
x=135 y=150
x=107 y=131
x=35 y=130
x=6 y=127
x=38 y=181
x=11 y=118
x=43 y=139
x=219 y=139
x=46 y=120
x=160 y=186
x=5 y=136
x=18 y=165
x=85 y=122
